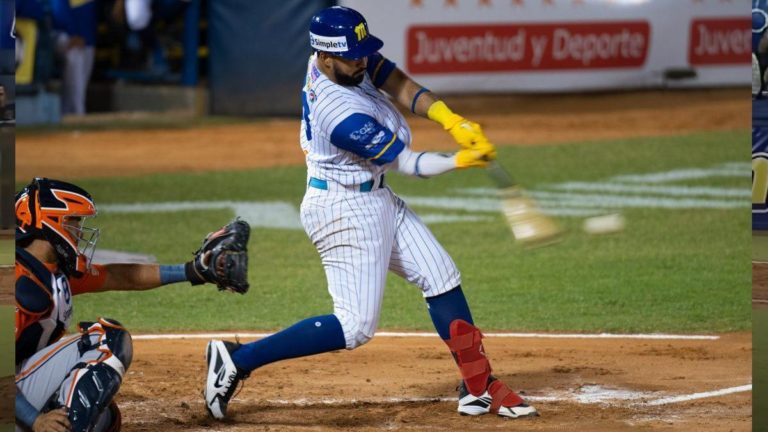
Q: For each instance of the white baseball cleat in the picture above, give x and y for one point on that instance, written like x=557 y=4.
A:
x=497 y=398
x=473 y=405
x=223 y=377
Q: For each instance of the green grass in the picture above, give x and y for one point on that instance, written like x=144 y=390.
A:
x=6 y=251
x=6 y=341
x=671 y=270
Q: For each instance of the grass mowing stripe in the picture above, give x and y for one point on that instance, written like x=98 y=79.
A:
x=671 y=270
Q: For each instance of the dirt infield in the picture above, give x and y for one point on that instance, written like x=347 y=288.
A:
x=760 y=285
x=6 y=285
x=7 y=396
x=392 y=383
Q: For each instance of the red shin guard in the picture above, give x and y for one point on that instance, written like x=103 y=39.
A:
x=466 y=345
x=502 y=396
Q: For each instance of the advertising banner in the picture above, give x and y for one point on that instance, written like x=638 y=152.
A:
x=563 y=45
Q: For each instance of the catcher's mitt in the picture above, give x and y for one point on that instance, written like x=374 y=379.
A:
x=223 y=258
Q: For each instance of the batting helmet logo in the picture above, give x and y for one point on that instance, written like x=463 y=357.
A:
x=360 y=32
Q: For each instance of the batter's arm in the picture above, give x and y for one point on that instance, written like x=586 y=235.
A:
x=423 y=102
x=429 y=164
x=424 y=164
x=405 y=91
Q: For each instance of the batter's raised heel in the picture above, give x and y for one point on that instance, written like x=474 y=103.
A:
x=497 y=398
x=223 y=377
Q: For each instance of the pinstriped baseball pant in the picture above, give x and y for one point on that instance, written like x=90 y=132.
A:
x=360 y=237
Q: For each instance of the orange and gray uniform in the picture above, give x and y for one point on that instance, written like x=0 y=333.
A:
x=49 y=363
x=44 y=302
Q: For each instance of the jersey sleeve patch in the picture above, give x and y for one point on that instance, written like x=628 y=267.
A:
x=362 y=135
x=31 y=297
x=379 y=69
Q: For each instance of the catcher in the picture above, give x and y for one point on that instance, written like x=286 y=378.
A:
x=68 y=382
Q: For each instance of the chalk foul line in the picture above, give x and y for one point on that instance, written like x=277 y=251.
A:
x=585 y=395
x=695 y=396
x=258 y=335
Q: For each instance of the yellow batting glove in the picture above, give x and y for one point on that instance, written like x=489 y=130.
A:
x=476 y=157
x=466 y=133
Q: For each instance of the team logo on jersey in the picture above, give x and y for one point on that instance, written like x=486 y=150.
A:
x=360 y=32
x=63 y=299
x=363 y=133
x=378 y=137
x=312 y=96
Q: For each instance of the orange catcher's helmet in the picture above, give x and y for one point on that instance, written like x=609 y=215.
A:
x=56 y=211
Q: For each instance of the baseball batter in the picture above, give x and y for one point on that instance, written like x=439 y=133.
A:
x=352 y=134
x=68 y=382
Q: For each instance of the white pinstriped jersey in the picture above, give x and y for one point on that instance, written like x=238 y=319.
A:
x=326 y=105
x=351 y=135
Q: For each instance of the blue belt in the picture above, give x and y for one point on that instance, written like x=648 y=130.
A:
x=363 y=187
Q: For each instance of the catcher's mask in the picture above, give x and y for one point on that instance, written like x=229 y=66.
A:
x=56 y=211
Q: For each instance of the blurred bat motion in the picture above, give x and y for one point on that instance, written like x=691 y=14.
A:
x=529 y=225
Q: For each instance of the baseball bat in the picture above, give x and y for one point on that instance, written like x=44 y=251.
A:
x=528 y=224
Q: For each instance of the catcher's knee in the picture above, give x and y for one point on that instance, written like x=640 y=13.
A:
x=109 y=338
x=106 y=353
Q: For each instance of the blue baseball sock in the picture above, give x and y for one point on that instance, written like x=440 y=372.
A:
x=445 y=308
x=310 y=336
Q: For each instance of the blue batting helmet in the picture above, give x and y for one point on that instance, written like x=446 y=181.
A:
x=342 y=32
x=759 y=22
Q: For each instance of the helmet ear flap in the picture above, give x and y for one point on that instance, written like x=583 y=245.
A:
x=28 y=212
x=33 y=200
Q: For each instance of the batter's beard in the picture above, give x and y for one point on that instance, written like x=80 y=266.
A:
x=348 y=80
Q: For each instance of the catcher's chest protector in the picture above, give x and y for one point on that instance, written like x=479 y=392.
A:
x=44 y=300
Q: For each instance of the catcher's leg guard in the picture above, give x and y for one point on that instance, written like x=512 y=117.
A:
x=111 y=420
x=92 y=384
x=91 y=389
x=113 y=340
x=467 y=348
